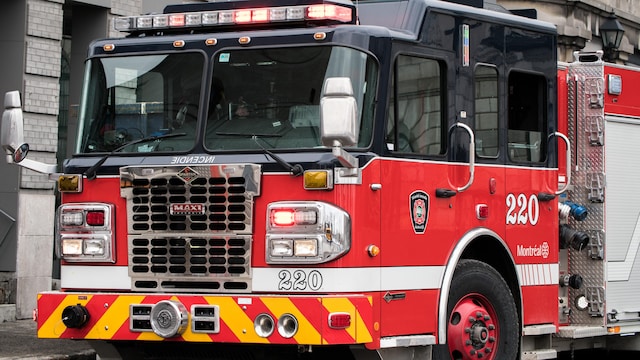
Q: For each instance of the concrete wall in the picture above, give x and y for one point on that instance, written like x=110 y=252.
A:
x=35 y=250
x=33 y=39
x=12 y=25
x=40 y=90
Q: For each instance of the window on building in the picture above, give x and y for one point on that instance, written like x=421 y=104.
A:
x=527 y=122
x=417 y=104
x=486 y=111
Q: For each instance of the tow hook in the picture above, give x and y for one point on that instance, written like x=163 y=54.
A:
x=75 y=316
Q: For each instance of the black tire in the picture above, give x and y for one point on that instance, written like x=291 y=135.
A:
x=485 y=323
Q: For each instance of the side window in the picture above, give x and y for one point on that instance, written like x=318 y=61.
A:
x=417 y=102
x=486 y=111
x=527 y=122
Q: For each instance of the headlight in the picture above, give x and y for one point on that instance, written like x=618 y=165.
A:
x=85 y=247
x=306 y=232
x=85 y=232
x=94 y=247
x=72 y=247
x=281 y=247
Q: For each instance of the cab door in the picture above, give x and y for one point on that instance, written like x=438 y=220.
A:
x=415 y=223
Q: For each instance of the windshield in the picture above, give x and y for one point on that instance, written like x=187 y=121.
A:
x=270 y=97
x=130 y=98
x=257 y=98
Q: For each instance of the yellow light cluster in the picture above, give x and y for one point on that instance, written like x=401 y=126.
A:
x=70 y=183
x=318 y=180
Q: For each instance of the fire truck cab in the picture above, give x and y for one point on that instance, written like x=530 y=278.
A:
x=385 y=178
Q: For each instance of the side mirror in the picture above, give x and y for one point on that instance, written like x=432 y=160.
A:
x=338 y=113
x=12 y=129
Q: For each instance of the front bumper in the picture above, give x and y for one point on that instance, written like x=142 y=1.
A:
x=220 y=319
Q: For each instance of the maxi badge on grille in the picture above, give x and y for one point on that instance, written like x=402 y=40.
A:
x=187 y=209
x=187 y=174
x=419 y=207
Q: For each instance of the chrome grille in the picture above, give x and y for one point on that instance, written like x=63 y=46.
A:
x=190 y=227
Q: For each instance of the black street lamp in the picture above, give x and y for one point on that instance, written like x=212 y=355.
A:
x=611 y=32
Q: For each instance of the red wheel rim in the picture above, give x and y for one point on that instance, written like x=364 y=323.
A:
x=473 y=331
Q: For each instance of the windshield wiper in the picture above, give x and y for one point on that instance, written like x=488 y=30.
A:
x=296 y=170
x=92 y=171
x=252 y=135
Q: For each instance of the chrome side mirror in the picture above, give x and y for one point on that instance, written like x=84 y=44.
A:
x=338 y=120
x=338 y=113
x=12 y=129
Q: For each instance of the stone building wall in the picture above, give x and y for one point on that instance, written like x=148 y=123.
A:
x=579 y=21
x=40 y=100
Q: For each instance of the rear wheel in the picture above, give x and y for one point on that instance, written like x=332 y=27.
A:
x=482 y=316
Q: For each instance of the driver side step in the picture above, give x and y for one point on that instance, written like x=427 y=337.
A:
x=539 y=354
x=536 y=342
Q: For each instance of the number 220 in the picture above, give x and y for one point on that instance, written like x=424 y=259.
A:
x=522 y=211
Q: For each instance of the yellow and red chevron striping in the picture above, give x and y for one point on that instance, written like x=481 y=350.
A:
x=109 y=317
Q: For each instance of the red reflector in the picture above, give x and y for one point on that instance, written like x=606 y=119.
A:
x=283 y=217
x=339 y=320
x=482 y=211
x=95 y=218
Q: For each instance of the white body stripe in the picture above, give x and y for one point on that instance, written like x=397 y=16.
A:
x=280 y=279
x=348 y=279
x=538 y=274
x=95 y=277
x=312 y=279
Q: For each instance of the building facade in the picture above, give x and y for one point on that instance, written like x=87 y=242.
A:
x=579 y=21
x=44 y=47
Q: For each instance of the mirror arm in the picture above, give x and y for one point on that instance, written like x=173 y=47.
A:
x=38 y=166
x=347 y=160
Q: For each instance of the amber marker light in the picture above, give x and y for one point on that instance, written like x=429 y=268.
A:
x=211 y=42
x=320 y=36
x=244 y=40
x=125 y=183
x=69 y=183
x=318 y=180
x=178 y=43
x=373 y=250
x=108 y=47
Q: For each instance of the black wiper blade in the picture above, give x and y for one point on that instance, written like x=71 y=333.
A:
x=296 y=170
x=252 y=135
x=92 y=171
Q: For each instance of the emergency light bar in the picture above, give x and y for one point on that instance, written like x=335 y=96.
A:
x=318 y=12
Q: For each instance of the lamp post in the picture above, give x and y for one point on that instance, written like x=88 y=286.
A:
x=611 y=32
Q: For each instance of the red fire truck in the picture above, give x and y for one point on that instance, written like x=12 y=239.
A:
x=388 y=179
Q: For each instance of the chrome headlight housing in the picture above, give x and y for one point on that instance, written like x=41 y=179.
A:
x=86 y=232
x=309 y=232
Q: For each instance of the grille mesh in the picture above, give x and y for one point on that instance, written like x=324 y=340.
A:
x=224 y=202
x=207 y=256
x=190 y=227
